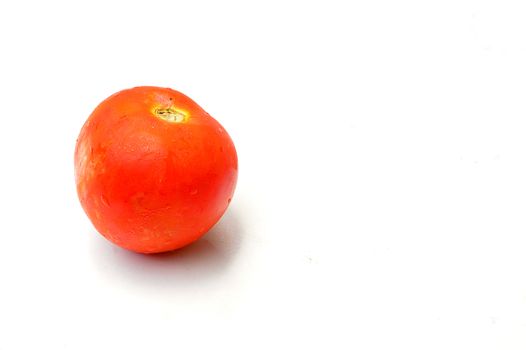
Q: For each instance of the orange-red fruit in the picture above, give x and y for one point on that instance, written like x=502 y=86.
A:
x=154 y=171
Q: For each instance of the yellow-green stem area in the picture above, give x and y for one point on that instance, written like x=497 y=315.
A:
x=171 y=115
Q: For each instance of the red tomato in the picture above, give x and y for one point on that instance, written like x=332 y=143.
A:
x=154 y=171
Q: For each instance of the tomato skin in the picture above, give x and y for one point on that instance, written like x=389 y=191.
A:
x=154 y=172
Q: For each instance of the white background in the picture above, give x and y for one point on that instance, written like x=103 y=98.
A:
x=381 y=201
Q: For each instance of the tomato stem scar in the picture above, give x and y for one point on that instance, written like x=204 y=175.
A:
x=171 y=114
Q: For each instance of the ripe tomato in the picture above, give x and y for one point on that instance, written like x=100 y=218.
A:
x=154 y=171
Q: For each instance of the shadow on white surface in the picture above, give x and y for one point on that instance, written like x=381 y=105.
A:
x=204 y=260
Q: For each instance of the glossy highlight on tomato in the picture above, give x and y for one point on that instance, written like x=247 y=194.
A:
x=154 y=172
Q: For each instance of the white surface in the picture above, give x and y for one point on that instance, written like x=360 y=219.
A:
x=382 y=193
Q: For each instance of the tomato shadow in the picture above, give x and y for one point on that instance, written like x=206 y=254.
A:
x=204 y=260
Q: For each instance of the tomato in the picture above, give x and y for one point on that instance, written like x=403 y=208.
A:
x=154 y=172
